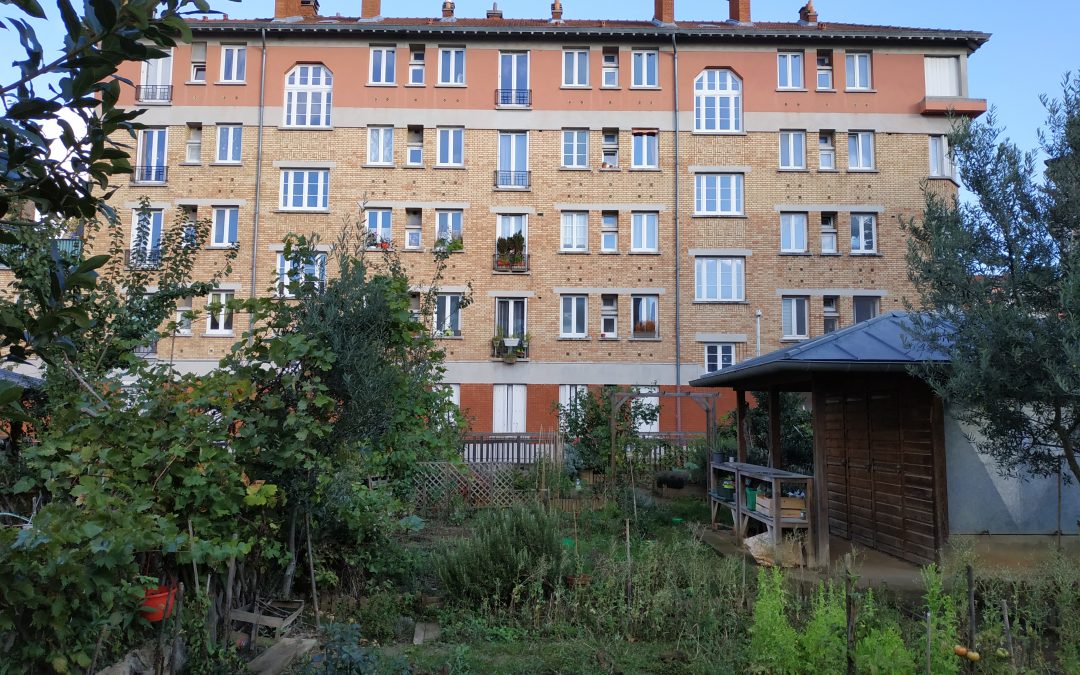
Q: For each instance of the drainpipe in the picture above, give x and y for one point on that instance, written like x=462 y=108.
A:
x=258 y=173
x=758 y=315
x=678 y=249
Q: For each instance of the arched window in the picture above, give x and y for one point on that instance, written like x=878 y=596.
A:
x=309 y=89
x=717 y=101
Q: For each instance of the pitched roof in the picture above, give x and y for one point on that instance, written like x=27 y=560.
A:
x=882 y=344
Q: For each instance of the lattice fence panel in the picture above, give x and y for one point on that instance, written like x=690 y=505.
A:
x=438 y=484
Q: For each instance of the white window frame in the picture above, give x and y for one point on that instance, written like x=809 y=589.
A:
x=314 y=272
x=453 y=59
x=640 y=306
x=719 y=279
x=874 y=301
x=719 y=355
x=793 y=310
x=380 y=223
x=645 y=69
x=512 y=401
x=417 y=67
x=152 y=244
x=446 y=222
x=153 y=155
x=572 y=66
x=321 y=194
x=718 y=194
x=378 y=152
x=790 y=70
x=830 y=234
x=220 y=322
x=863 y=233
x=184 y=317
x=609 y=316
x=718 y=92
x=609 y=149
x=609 y=70
x=793 y=233
x=941 y=165
x=644 y=226
x=861 y=151
x=386 y=75
x=452 y=141
x=826 y=151
x=854 y=76
x=237 y=74
x=645 y=150
x=574 y=308
x=193 y=148
x=300 y=96
x=826 y=69
x=230 y=144
x=198 y=63
x=574 y=232
x=793 y=150
x=226 y=227
x=575 y=150
x=447 y=316
x=609 y=232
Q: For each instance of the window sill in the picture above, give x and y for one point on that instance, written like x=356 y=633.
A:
x=717 y=216
x=449 y=337
x=859 y=91
x=572 y=338
x=507 y=188
x=613 y=338
x=141 y=183
x=643 y=253
x=183 y=334
x=311 y=128
x=835 y=254
x=153 y=103
x=828 y=170
x=226 y=163
x=827 y=90
x=378 y=166
x=415 y=85
x=564 y=252
x=644 y=87
x=412 y=250
x=610 y=169
x=706 y=132
x=311 y=211
x=793 y=170
x=610 y=253
x=645 y=169
x=227 y=334
x=196 y=83
x=644 y=339
x=230 y=83
x=862 y=170
x=382 y=84
x=578 y=87
x=574 y=168
x=791 y=89
x=222 y=247
x=450 y=85
x=610 y=88
x=795 y=339
x=720 y=302
x=413 y=166
x=512 y=107
x=451 y=167
x=867 y=254
x=796 y=253
x=190 y=164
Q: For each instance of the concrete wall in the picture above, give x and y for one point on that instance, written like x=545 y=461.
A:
x=982 y=501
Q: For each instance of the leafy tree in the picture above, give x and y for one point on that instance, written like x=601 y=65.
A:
x=585 y=423
x=1001 y=276
x=796 y=431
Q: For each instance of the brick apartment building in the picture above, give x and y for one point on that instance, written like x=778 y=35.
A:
x=689 y=193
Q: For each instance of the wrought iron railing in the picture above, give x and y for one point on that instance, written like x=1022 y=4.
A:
x=513 y=179
x=510 y=263
x=153 y=93
x=150 y=174
x=516 y=97
x=143 y=258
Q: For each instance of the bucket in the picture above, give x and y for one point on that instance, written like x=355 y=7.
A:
x=751 y=499
x=158 y=603
x=726 y=491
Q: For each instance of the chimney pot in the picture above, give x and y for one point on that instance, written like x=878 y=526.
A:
x=808 y=13
x=448 y=9
x=556 y=10
x=740 y=10
x=370 y=9
x=665 y=11
x=494 y=12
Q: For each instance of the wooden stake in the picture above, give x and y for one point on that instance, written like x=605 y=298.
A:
x=194 y=567
x=971 y=614
x=228 y=596
x=850 y=610
x=177 y=622
x=1008 y=633
x=311 y=570
x=629 y=575
x=929 y=642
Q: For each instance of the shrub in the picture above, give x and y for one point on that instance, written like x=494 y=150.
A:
x=882 y=652
x=823 y=642
x=941 y=609
x=773 y=642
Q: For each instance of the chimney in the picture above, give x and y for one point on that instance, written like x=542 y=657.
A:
x=665 y=11
x=556 y=10
x=494 y=12
x=286 y=9
x=370 y=9
x=740 y=11
x=448 y=9
x=808 y=14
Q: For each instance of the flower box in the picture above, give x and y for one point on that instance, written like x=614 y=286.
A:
x=790 y=507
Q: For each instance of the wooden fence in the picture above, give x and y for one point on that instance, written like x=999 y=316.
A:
x=511 y=448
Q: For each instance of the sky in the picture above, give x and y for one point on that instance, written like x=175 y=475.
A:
x=1034 y=43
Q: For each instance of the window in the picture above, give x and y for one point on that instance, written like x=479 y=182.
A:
x=609 y=232
x=863 y=233
x=569 y=395
x=861 y=150
x=508 y=409
x=941 y=165
x=644 y=316
x=451 y=146
x=233 y=63
x=448 y=315
x=379 y=227
x=643 y=232
x=574 y=316
x=793 y=150
x=609 y=158
x=151 y=151
x=575 y=230
x=508 y=227
x=447 y=227
x=383 y=60
x=611 y=67
x=308 y=96
x=718 y=194
x=146 y=238
x=826 y=151
x=156 y=84
x=794 y=318
x=415 y=149
x=719 y=356
x=718 y=280
x=865 y=307
x=645 y=150
x=413 y=229
x=513 y=168
x=510 y=317
x=790 y=70
x=830 y=314
x=189 y=235
x=226 y=220
x=645 y=426
x=717 y=101
x=305 y=190
x=943 y=76
x=824 y=69
x=219 y=316
x=183 y=316
x=381 y=146
x=230 y=143
x=417 y=64
x=828 y=234
x=576 y=68
x=609 y=316
x=858 y=70
x=198 y=62
x=792 y=232
x=514 y=79
x=452 y=66
x=575 y=148
x=645 y=68
x=193 y=153
x=297 y=272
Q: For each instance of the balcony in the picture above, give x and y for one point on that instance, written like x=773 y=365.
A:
x=153 y=93
x=510 y=263
x=513 y=180
x=147 y=351
x=956 y=105
x=513 y=98
x=150 y=175
x=509 y=349
x=143 y=259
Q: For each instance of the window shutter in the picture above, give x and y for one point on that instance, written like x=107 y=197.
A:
x=943 y=76
x=517 y=401
x=499 y=405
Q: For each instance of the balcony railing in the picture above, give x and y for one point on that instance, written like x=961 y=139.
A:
x=513 y=179
x=513 y=97
x=143 y=259
x=150 y=174
x=510 y=352
x=148 y=350
x=153 y=93
x=510 y=263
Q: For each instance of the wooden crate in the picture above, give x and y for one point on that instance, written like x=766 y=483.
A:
x=790 y=507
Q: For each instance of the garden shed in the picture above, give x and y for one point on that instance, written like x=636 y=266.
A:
x=893 y=471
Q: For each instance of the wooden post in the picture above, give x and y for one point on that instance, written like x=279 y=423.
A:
x=775 y=460
x=929 y=642
x=819 y=506
x=971 y=614
x=740 y=423
x=311 y=570
x=849 y=610
x=1008 y=633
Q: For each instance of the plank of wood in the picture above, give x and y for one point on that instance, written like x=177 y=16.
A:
x=276 y=659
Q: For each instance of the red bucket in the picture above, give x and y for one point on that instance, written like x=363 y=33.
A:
x=158 y=603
